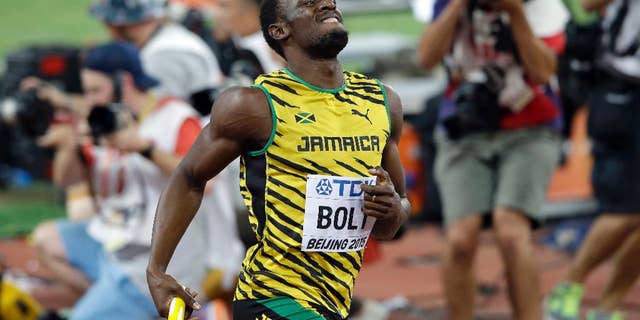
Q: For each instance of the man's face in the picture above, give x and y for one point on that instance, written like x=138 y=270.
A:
x=316 y=26
x=239 y=17
x=98 y=87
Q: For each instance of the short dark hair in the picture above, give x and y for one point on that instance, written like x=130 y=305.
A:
x=269 y=14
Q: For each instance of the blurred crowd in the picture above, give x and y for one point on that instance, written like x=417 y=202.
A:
x=518 y=71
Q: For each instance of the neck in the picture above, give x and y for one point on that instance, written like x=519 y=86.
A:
x=323 y=73
x=146 y=31
x=141 y=103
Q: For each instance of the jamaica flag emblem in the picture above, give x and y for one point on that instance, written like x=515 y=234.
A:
x=305 y=117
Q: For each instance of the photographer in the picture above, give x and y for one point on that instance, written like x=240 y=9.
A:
x=496 y=148
x=178 y=58
x=141 y=140
x=613 y=127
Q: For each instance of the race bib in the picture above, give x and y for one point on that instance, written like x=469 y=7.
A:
x=333 y=218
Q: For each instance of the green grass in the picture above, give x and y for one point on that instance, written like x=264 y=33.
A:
x=68 y=21
x=394 y=22
x=22 y=209
x=46 y=21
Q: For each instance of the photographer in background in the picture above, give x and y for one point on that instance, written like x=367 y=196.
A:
x=182 y=62
x=141 y=140
x=496 y=147
x=614 y=128
x=239 y=20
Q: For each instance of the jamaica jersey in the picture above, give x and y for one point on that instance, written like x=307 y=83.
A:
x=319 y=136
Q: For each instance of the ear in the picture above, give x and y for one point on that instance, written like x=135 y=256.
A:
x=279 y=31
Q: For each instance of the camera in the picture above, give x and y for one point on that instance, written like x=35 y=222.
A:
x=106 y=119
x=26 y=112
x=477 y=107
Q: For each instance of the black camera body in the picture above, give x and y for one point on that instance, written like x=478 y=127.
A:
x=106 y=119
x=477 y=108
x=26 y=112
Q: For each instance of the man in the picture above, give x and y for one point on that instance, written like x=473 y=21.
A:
x=613 y=128
x=240 y=20
x=179 y=59
x=100 y=260
x=496 y=149
x=312 y=139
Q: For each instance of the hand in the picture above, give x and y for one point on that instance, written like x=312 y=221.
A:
x=508 y=6
x=47 y=92
x=164 y=287
x=127 y=140
x=59 y=136
x=382 y=201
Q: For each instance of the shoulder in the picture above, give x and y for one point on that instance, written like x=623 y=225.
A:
x=242 y=113
x=396 y=115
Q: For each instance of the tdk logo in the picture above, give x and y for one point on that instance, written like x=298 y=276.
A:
x=324 y=187
x=345 y=187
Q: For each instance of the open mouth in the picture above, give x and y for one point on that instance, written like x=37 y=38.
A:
x=330 y=20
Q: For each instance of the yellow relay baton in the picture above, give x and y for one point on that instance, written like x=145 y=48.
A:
x=176 y=309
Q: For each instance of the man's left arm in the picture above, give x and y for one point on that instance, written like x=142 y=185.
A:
x=387 y=200
x=539 y=62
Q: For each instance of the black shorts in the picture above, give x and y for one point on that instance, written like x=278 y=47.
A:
x=279 y=308
x=614 y=127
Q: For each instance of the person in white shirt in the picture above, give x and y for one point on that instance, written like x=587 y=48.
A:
x=141 y=139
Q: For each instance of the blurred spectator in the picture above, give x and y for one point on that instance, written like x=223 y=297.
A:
x=103 y=260
x=613 y=127
x=496 y=148
x=240 y=20
x=182 y=62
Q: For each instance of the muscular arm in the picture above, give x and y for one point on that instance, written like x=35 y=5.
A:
x=437 y=38
x=399 y=208
x=242 y=120
x=538 y=60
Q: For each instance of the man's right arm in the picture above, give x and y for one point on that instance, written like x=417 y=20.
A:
x=242 y=122
x=437 y=38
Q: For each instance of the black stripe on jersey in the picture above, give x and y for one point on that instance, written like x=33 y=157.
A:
x=364 y=97
x=275 y=277
x=292 y=165
x=311 y=281
x=283 y=217
x=280 y=120
x=352 y=169
x=366 y=87
x=274 y=167
x=321 y=168
x=280 y=86
x=370 y=89
x=310 y=265
x=363 y=163
x=357 y=76
x=279 y=75
x=292 y=234
x=286 y=186
x=279 y=134
x=387 y=133
x=256 y=182
x=241 y=278
x=284 y=200
x=343 y=99
x=282 y=102
x=336 y=263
